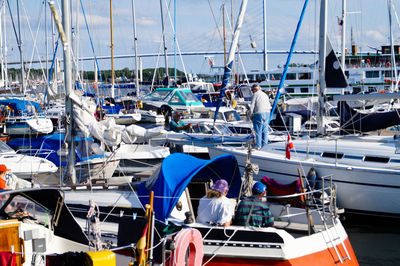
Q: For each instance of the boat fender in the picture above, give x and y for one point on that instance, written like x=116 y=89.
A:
x=312 y=179
x=185 y=238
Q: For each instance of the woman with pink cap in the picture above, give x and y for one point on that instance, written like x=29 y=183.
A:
x=215 y=207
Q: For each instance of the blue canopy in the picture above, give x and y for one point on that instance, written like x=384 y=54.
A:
x=18 y=105
x=177 y=170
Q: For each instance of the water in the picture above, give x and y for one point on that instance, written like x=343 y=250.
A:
x=375 y=240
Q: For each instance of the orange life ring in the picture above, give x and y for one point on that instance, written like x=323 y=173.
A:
x=183 y=239
x=388 y=64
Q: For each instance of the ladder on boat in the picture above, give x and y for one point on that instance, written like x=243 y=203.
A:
x=332 y=217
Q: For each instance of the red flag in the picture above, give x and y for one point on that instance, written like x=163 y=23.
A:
x=289 y=146
x=210 y=62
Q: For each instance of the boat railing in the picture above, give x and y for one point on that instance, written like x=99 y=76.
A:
x=314 y=203
x=43 y=153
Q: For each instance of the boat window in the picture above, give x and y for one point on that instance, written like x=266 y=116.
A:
x=376 y=159
x=189 y=96
x=372 y=74
x=304 y=90
x=21 y=207
x=291 y=76
x=305 y=75
x=275 y=76
x=176 y=99
x=223 y=130
x=332 y=155
x=4 y=147
x=289 y=90
x=387 y=73
x=157 y=95
x=232 y=116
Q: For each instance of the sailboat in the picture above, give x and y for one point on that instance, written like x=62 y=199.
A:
x=365 y=169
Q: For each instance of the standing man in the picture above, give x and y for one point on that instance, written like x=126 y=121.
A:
x=259 y=114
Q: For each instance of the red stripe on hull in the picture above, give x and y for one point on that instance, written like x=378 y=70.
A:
x=325 y=257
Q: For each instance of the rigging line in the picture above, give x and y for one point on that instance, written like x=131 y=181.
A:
x=179 y=49
x=215 y=21
x=13 y=24
x=94 y=53
x=35 y=48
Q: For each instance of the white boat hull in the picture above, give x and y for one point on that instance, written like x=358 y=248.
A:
x=359 y=189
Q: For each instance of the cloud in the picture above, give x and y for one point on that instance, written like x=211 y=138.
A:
x=375 y=36
x=146 y=21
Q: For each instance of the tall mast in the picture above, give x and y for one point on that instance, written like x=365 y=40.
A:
x=175 y=78
x=136 y=50
x=112 y=51
x=394 y=70
x=21 y=55
x=343 y=34
x=343 y=37
x=265 y=35
x=65 y=35
x=321 y=66
x=224 y=31
x=165 y=47
x=1 y=45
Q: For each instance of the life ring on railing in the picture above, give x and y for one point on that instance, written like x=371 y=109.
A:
x=388 y=64
x=185 y=238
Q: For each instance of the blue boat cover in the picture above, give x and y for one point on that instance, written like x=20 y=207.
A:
x=177 y=170
x=20 y=106
x=49 y=142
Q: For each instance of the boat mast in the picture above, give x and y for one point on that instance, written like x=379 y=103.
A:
x=265 y=35
x=321 y=67
x=112 y=51
x=65 y=35
x=394 y=69
x=21 y=56
x=175 y=78
x=231 y=57
x=343 y=37
x=1 y=46
x=224 y=31
x=165 y=47
x=135 y=47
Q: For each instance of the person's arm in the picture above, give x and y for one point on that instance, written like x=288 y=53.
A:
x=227 y=223
x=252 y=105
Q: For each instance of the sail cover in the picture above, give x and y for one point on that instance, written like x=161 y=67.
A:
x=352 y=121
x=176 y=172
x=334 y=76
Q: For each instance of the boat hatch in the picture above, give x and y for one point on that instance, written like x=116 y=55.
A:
x=376 y=159
x=332 y=155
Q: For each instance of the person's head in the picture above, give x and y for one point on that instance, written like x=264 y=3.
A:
x=218 y=189
x=259 y=188
x=3 y=169
x=176 y=116
x=255 y=88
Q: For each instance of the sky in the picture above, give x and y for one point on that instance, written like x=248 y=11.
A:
x=199 y=29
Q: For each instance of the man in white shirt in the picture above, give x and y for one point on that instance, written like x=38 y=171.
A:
x=259 y=114
x=215 y=207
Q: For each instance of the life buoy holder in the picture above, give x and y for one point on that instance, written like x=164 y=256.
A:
x=388 y=64
x=185 y=238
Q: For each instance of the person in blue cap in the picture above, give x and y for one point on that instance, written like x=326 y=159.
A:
x=253 y=211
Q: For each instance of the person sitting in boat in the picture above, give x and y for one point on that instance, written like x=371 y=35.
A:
x=253 y=211
x=3 y=179
x=178 y=125
x=215 y=207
